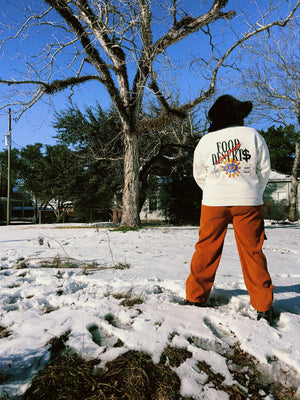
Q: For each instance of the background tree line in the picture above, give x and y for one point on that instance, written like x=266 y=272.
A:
x=85 y=168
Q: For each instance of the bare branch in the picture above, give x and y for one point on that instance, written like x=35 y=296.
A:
x=113 y=49
x=251 y=32
x=25 y=26
x=183 y=28
x=62 y=7
x=188 y=25
x=59 y=85
x=275 y=80
x=180 y=112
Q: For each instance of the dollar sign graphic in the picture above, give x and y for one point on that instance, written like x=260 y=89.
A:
x=246 y=155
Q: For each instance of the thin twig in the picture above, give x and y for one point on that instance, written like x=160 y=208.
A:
x=110 y=250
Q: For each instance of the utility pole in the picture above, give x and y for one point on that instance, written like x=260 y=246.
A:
x=0 y=178
x=8 y=141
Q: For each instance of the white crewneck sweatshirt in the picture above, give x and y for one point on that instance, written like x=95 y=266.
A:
x=232 y=167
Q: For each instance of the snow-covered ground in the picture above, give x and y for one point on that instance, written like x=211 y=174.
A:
x=37 y=304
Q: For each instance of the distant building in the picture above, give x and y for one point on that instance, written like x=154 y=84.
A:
x=276 y=199
x=277 y=196
x=19 y=210
x=151 y=211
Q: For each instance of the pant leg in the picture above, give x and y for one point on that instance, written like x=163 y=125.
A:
x=207 y=255
x=248 y=224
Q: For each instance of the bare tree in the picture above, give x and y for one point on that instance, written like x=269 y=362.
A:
x=275 y=83
x=112 y=41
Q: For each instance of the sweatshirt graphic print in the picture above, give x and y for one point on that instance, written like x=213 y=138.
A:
x=232 y=167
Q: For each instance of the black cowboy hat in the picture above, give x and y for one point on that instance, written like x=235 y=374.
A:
x=227 y=110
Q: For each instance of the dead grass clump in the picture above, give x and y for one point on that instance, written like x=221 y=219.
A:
x=4 y=332
x=58 y=344
x=131 y=376
x=250 y=383
x=58 y=262
x=49 y=309
x=3 y=378
x=4 y=396
x=243 y=368
x=279 y=392
x=134 y=376
x=68 y=263
x=68 y=377
x=21 y=264
x=121 y=266
x=128 y=298
x=216 y=379
x=175 y=356
x=125 y=229
x=131 y=302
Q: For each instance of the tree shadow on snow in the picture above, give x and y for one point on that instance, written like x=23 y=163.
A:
x=222 y=297
x=287 y=289
x=283 y=225
x=218 y=297
x=291 y=304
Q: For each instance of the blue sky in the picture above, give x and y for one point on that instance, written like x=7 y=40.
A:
x=36 y=124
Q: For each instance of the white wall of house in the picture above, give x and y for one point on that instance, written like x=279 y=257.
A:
x=277 y=193
x=151 y=212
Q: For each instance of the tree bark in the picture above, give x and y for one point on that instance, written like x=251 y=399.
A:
x=130 y=210
x=293 y=211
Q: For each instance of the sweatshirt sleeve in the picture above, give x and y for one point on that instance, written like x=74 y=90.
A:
x=263 y=166
x=199 y=169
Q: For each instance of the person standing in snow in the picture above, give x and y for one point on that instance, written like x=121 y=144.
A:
x=232 y=167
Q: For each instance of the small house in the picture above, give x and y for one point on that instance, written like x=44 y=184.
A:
x=277 y=196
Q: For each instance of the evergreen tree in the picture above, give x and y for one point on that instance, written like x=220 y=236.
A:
x=179 y=195
x=3 y=170
x=281 y=141
x=93 y=136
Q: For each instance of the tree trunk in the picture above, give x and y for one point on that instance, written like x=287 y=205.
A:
x=293 y=209
x=35 y=216
x=130 y=208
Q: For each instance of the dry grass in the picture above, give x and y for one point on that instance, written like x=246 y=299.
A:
x=121 y=266
x=243 y=368
x=134 y=376
x=131 y=376
x=68 y=377
x=4 y=332
x=129 y=299
x=4 y=396
x=175 y=356
x=59 y=262
x=58 y=345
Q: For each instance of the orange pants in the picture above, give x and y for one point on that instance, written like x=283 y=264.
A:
x=248 y=224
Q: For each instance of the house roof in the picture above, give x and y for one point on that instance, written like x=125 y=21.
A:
x=278 y=176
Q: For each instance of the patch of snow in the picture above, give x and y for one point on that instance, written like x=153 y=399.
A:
x=38 y=304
